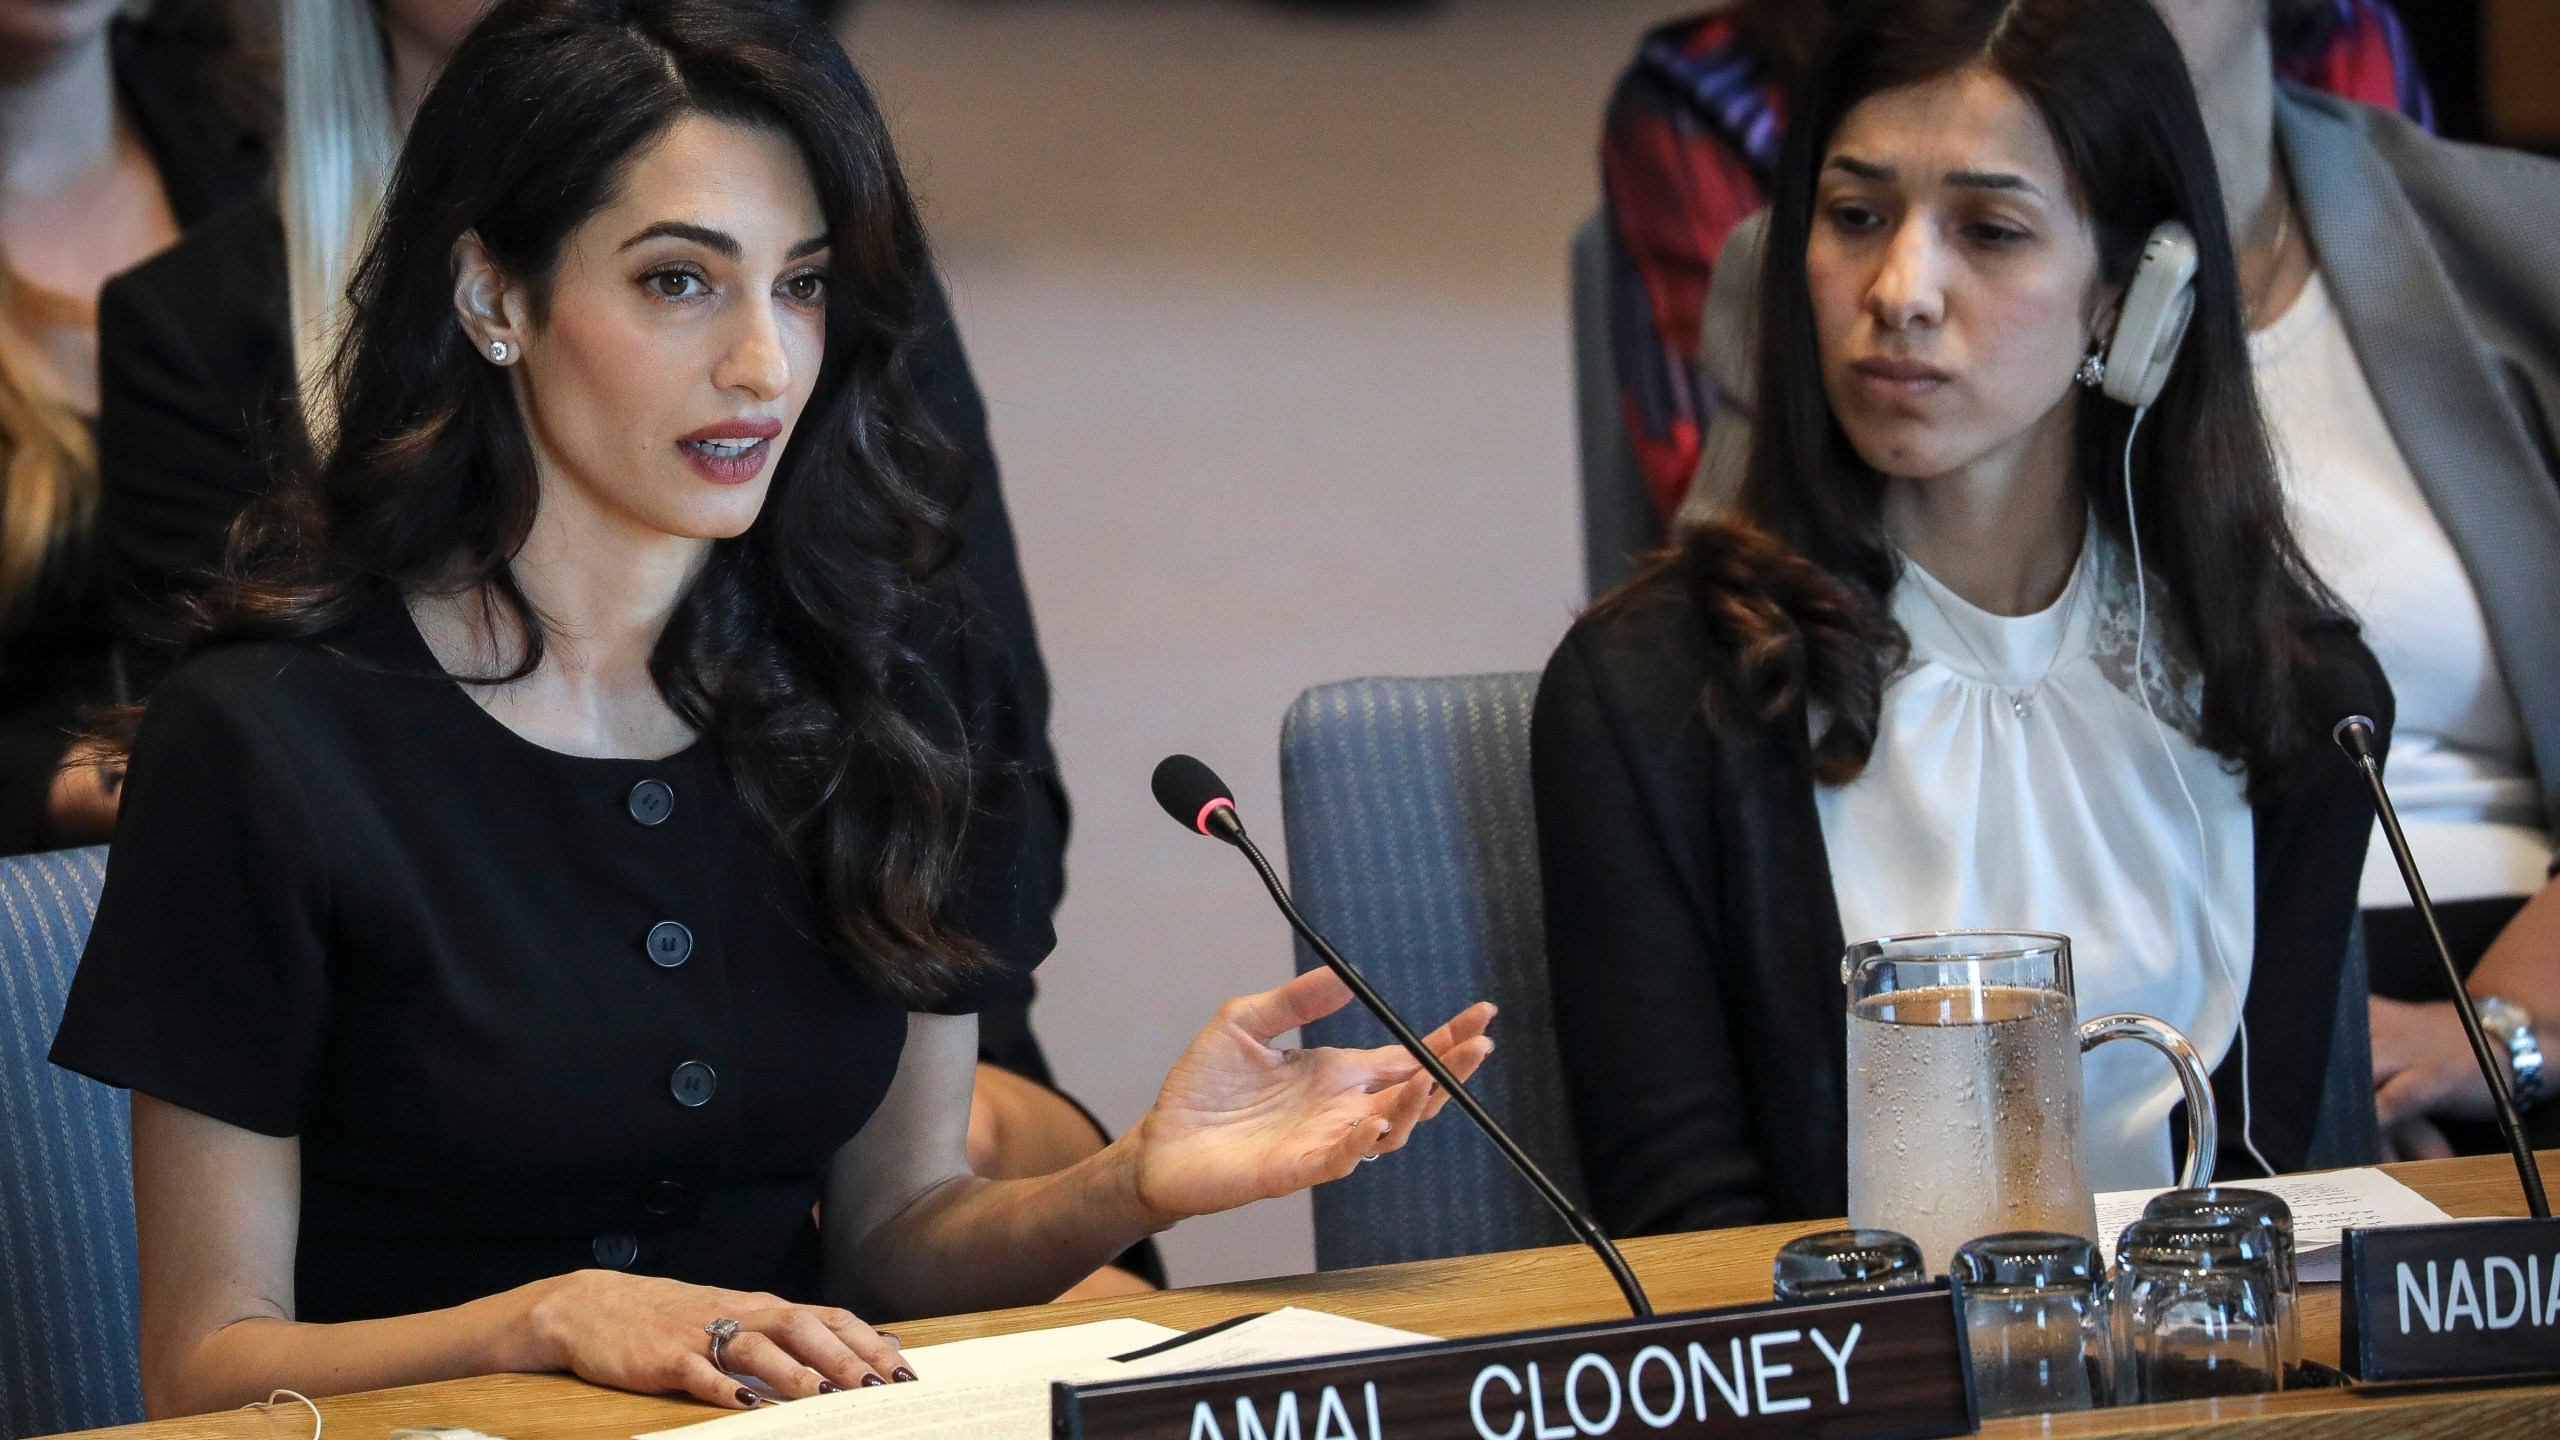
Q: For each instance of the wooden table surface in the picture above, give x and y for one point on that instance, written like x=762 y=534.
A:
x=1487 y=1294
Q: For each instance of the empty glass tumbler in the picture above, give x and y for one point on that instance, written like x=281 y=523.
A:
x=2276 y=1218
x=1837 y=1263
x=2035 y=1315
x=2195 y=1315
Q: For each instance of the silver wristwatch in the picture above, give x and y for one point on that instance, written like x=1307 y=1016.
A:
x=2511 y=1025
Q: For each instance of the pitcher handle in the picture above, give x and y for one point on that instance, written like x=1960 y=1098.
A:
x=2204 y=1134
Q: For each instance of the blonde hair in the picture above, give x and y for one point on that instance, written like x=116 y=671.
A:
x=340 y=138
x=48 y=461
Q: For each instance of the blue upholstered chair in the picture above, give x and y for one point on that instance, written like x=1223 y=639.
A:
x=1413 y=847
x=1618 y=519
x=2344 y=1130
x=67 y=1279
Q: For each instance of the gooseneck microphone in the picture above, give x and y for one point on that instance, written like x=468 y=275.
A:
x=2355 y=736
x=1193 y=794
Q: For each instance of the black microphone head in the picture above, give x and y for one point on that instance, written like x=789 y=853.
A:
x=2354 y=734
x=1190 y=792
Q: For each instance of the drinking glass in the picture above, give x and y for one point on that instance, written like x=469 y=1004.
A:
x=2195 y=1310
x=2035 y=1314
x=1846 y=1262
x=2276 y=1218
x=1964 y=1087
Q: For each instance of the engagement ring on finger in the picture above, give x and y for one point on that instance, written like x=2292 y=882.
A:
x=721 y=1331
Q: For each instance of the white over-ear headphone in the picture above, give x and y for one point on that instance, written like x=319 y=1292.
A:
x=2153 y=319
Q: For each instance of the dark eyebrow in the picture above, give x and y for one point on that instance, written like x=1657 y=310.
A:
x=718 y=241
x=1991 y=180
x=1965 y=179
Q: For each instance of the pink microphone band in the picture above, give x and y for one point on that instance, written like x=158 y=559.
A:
x=1200 y=822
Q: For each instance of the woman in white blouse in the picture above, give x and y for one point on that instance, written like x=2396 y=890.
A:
x=2405 y=337
x=1916 y=680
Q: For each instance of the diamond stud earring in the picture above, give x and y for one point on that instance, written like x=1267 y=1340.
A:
x=499 y=351
x=2092 y=372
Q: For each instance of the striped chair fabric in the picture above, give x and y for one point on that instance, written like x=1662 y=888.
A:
x=1413 y=847
x=68 y=1320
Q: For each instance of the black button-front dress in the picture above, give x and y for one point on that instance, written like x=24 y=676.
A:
x=527 y=1012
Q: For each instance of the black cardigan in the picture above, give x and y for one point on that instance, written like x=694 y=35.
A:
x=59 y=656
x=1694 y=945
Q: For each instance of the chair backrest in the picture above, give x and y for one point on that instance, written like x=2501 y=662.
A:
x=1618 y=519
x=2344 y=1130
x=68 y=1321
x=1413 y=847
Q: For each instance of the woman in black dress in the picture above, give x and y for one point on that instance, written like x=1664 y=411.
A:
x=199 y=369
x=566 y=858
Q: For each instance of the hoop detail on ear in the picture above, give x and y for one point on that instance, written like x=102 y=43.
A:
x=2092 y=372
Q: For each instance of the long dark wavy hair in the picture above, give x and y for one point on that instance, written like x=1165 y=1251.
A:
x=1794 y=585
x=796 y=649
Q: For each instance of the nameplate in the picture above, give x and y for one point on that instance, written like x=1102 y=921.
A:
x=2465 y=1301
x=1881 y=1368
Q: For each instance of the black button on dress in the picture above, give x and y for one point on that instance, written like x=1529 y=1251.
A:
x=670 y=944
x=652 y=801
x=347 y=904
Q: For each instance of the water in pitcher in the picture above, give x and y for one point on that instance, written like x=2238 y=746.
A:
x=1964 y=1115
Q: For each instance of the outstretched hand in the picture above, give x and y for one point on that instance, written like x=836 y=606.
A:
x=1239 y=1121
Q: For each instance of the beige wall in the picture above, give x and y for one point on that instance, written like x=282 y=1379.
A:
x=1270 y=313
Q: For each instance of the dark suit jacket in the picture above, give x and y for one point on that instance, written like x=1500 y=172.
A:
x=59 y=657
x=1694 y=944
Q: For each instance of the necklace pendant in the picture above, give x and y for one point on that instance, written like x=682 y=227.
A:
x=2019 y=707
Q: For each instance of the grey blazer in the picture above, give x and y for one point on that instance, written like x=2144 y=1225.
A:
x=2444 y=262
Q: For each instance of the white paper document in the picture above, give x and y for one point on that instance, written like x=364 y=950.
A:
x=1288 y=1333
x=2324 y=1205
x=997 y=1388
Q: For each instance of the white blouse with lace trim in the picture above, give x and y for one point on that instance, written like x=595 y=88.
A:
x=2060 y=813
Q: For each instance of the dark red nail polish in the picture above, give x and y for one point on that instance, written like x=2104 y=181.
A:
x=902 y=1373
x=828 y=1387
x=873 y=1380
x=746 y=1397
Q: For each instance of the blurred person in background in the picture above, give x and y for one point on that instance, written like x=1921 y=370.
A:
x=216 y=363
x=2405 y=338
x=119 y=127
